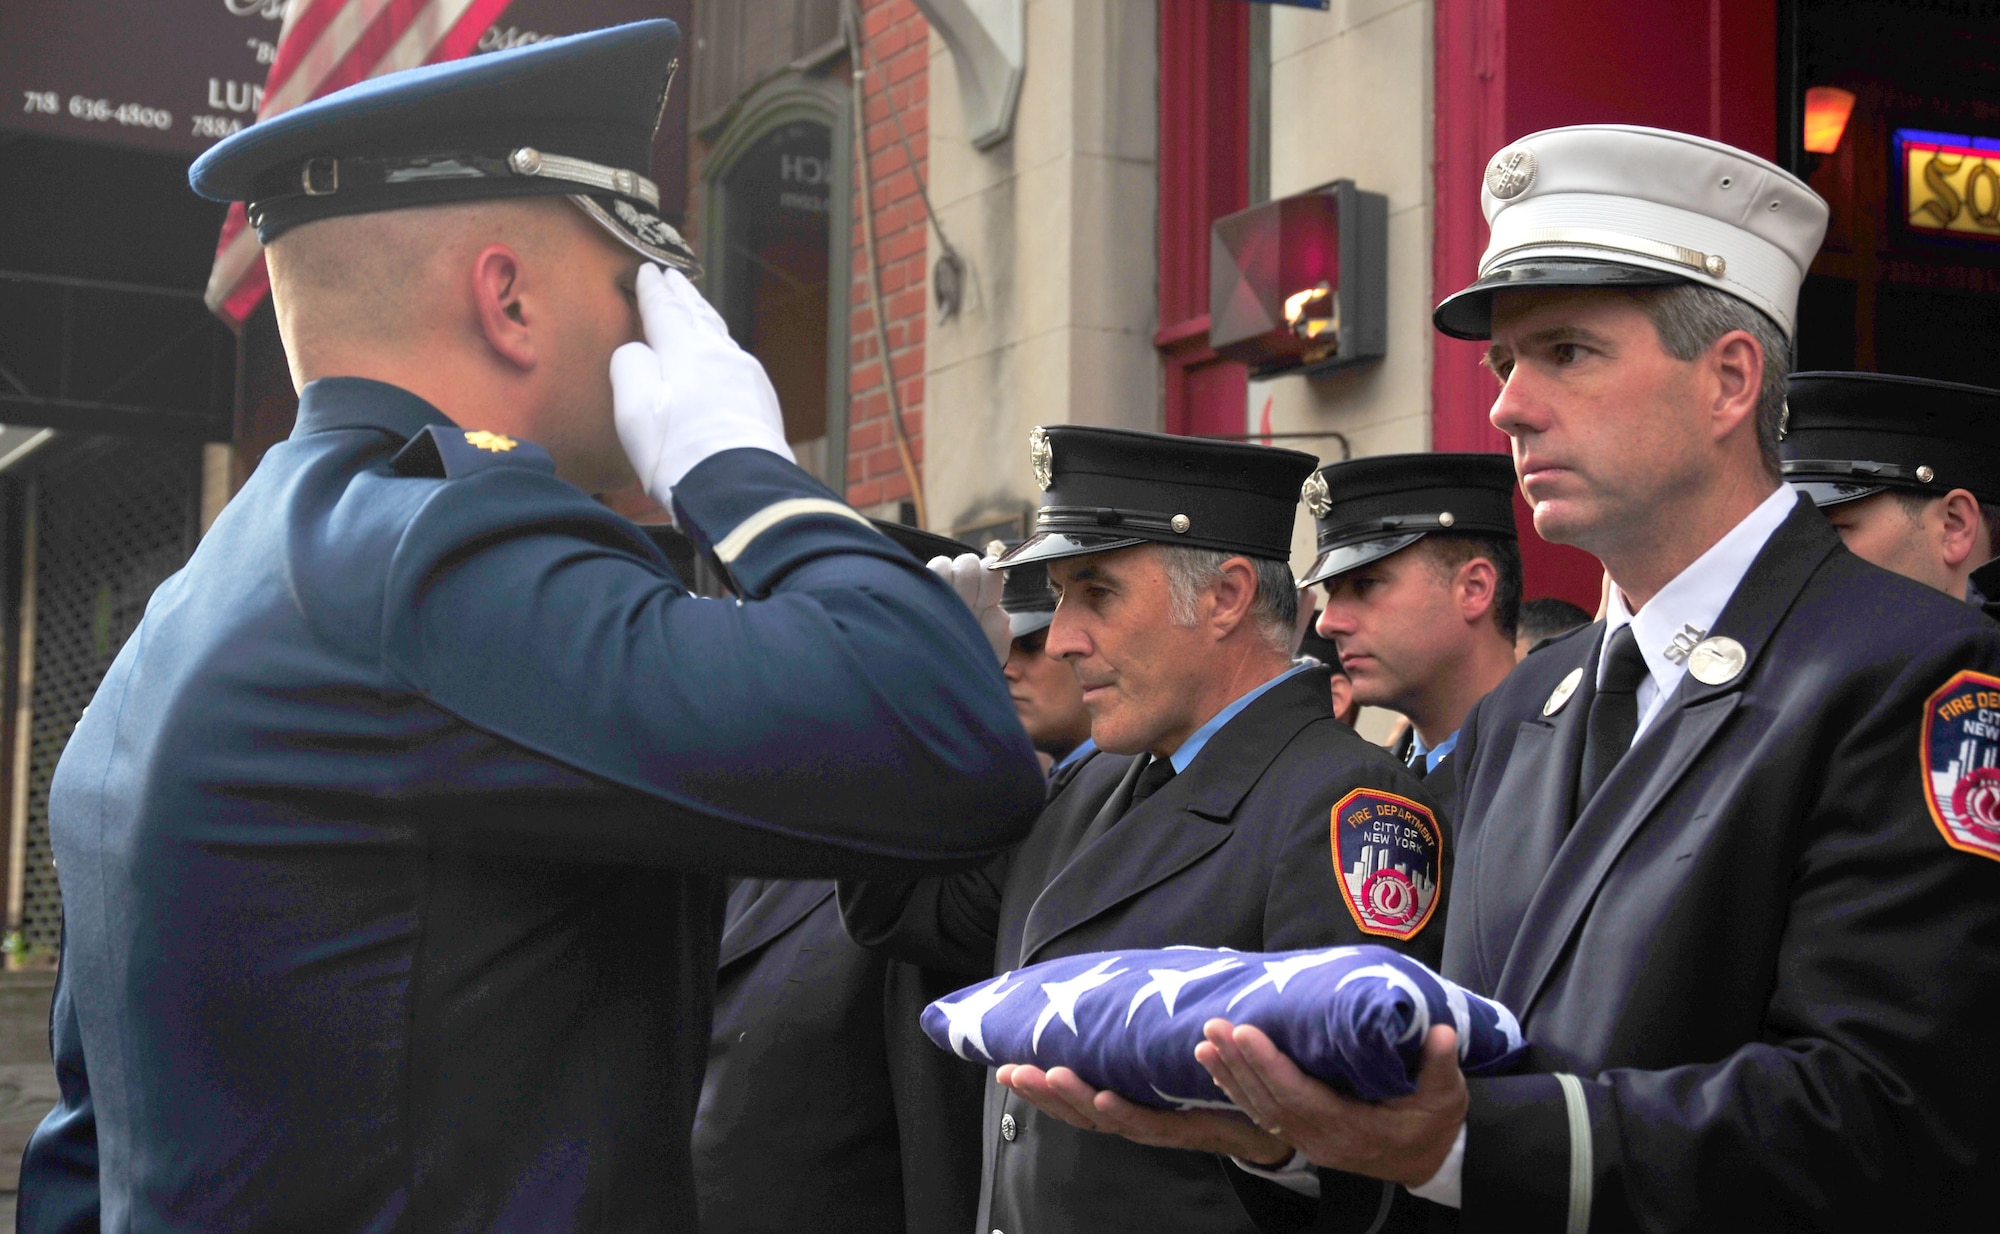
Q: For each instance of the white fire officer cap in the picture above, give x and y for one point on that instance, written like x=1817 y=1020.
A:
x=1617 y=205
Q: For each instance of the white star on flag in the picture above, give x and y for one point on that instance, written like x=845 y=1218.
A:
x=1063 y=995
x=1194 y=1103
x=967 y=1016
x=1278 y=972
x=1168 y=982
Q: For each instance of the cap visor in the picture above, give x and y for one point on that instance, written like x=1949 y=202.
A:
x=1050 y=545
x=1824 y=493
x=639 y=229
x=1338 y=561
x=1468 y=314
x=1020 y=625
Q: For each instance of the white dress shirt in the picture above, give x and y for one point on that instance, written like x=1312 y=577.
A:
x=1673 y=621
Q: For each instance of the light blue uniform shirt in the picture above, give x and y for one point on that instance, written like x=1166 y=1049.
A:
x=1192 y=746
x=1433 y=756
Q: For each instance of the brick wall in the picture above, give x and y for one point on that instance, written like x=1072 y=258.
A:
x=897 y=52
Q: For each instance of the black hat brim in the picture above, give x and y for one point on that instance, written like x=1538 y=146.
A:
x=637 y=227
x=1468 y=314
x=1827 y=493
x=1335 y=562
x=1054 y=545
x=1022 y=624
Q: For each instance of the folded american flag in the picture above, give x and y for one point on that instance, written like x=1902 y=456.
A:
x=1129 y=1021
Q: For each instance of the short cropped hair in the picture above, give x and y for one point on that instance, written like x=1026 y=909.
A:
x=1549 y=616
x=1914 y=505
x=1445 y=552
x=1191 y=571
x=1689 y=317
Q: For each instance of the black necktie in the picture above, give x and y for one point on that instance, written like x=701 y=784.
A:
x=1614 y=713
x=1157 y=773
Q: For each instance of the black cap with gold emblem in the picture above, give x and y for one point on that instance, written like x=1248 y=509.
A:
x=571 y=117
x=1026 y=599
x=1846 y=436
x=1371 y=507
x=1109 y=488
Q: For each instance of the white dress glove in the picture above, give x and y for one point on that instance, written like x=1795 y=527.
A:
x=688 y=391
x=980 y=588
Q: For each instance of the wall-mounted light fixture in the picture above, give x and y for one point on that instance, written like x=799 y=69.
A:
x=1301 y=284
x=1827 y=110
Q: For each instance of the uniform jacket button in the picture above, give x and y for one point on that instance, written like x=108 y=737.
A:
x=1007 y=1132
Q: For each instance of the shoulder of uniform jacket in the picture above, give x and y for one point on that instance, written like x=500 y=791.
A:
x=446 y=452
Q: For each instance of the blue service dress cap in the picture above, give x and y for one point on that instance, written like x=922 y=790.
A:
x=1846 y=436
x=573 y=117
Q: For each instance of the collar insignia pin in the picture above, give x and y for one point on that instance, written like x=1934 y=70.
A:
x=1684 y=643
x=498 y=443
x=1042 y=456
x=1716 y=661
x=1560 y=695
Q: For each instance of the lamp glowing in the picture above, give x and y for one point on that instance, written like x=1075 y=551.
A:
x=1827 y=110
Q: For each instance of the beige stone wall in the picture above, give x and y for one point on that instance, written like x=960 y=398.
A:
x=1057 y=226
x=1351 y=97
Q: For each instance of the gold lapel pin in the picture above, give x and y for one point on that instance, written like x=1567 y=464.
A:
x=1564 y=688
x=1717 y=661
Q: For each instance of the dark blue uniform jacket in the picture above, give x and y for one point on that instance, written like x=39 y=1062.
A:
x=388 y=844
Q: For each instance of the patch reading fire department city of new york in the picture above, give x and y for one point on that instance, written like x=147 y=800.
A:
x=1390 y=855
x=1962 y=762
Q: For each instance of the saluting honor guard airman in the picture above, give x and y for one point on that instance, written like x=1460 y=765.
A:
x=389 y=845
x=1731 y=853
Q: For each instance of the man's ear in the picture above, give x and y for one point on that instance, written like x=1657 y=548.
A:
x=500 y=307
x=1344 y=709
x=1737 y=365
x=1474 y=589
x=1235 y=593
x=1961 y=525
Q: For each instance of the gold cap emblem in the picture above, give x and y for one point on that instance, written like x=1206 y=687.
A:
x=1042 y=457
x=1316 y=495
x=1511 y=172
x=1716 y=661
x=496 y=442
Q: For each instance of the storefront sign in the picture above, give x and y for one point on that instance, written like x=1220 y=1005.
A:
x=1951 y=183
x=179 y=75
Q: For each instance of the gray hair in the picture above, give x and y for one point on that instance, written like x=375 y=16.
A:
x=1689 y=317
x=1191 y=571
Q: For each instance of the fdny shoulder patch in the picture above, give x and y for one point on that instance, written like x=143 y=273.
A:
x=1961 y=750
x=1389 y=853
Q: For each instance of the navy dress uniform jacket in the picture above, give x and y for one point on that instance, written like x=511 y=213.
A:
x=388 y=844
x=1771 y=977
x=1236 y=852
x=825 y=1108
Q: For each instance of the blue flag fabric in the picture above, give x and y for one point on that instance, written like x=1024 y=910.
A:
x=1128 y=1021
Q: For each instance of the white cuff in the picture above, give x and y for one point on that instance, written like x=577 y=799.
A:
x=1443 y=1188
x=1297 y=1174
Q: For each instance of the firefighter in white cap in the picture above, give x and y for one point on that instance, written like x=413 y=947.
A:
x=1731 y=853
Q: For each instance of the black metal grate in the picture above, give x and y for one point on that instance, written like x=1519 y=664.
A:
x=111 y=522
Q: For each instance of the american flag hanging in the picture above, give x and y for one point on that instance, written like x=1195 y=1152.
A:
x=325 y=45
x=1129 y=1021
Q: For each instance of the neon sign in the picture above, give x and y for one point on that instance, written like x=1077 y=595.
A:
x=1951 y=183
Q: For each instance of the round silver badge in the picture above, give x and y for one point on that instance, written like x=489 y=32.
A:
x=1180 y=523
x=1716 y=661
x=1510 y=173
x=1447 y=519
x=1564 y=688
x=1041 y=456
x=1314 y=493
x=526 y=161
x=1715 y=264
x=1925 y=475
